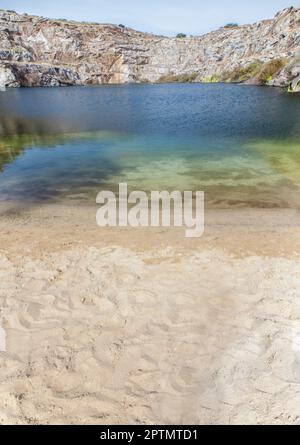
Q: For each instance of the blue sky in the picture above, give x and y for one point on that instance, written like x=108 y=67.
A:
x=159 y=16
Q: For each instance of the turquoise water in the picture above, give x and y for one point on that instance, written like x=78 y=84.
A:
x=240 y=144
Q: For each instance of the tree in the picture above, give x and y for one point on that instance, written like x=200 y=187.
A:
x=181 y=36
x=231 y=25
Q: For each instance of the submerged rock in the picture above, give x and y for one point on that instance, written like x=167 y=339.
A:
x=35 y=51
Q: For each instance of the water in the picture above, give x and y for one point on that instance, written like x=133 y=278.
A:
x=240 y=144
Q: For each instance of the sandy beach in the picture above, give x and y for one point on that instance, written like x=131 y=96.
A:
x=142 y=326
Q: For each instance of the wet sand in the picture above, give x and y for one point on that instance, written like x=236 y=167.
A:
x=145 y=326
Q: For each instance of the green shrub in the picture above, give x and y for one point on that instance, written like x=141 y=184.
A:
x=231 y=25
x=267 y=71
x=122 y=26
x=180 y=36
x=242 y=73
x=211 y=79
x=181 y=78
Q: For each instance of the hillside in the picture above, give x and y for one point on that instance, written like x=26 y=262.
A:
x=36 y=51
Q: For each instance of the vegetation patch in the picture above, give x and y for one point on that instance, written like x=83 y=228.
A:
x=269 y=69
x=212 y=79
x=242 y=73
x=181 y=78
x=231 y=25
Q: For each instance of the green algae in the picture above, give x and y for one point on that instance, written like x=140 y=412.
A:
x=283 y=156
x=13 y=146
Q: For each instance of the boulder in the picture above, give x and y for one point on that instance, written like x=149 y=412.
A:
x=7 y=77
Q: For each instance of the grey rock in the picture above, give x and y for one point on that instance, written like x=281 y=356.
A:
x=39 y=52
x=295 y=85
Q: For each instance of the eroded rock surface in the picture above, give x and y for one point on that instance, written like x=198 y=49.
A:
x=35 y=51
x=289 y=75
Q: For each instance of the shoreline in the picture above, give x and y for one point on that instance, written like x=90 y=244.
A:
x=283 y=88
x=223 y=227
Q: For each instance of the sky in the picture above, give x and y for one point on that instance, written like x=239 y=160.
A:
x=167 y=17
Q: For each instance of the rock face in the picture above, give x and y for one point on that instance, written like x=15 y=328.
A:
x=35 y=51
x=289 y=75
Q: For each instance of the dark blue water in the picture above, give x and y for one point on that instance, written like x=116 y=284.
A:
x=240 y=144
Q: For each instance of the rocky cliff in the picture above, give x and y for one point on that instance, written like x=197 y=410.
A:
x=35 y=51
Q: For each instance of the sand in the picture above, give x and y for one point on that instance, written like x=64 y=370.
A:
x=123 y=326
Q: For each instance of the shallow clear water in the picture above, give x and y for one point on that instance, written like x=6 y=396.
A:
x=240 y=144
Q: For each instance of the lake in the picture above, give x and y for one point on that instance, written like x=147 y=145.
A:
x=240 y=144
